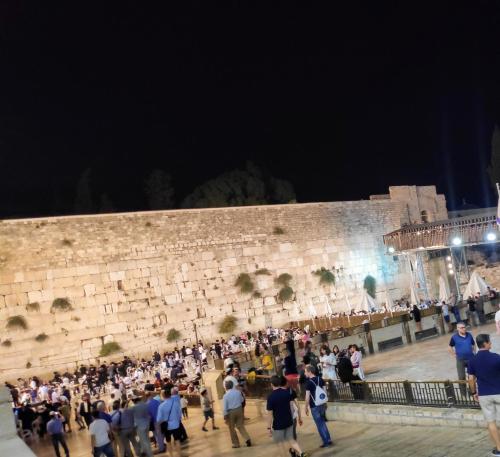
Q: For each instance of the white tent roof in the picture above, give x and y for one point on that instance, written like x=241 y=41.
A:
x=414 y=296
x=444 y=292
x=388 y=300
x=367 y=302
x=476 y=285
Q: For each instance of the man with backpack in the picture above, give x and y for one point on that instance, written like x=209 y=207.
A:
x=316 y=399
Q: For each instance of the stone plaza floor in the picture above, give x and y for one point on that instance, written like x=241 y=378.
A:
x=422 y=361
x=349 y=440
x=426 y=360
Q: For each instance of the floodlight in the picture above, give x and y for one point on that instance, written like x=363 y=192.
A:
x=391 y=249
x=448 y=258
x=450 y=265
x=457 y=241
x=491 y=236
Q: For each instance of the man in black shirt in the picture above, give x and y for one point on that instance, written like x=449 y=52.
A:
x=279 y=408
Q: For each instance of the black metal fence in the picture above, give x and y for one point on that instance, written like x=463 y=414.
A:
x=440 y=394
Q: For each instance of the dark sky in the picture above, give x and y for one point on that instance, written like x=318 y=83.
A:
x=343 y=102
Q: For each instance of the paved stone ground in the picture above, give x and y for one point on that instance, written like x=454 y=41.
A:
x=427 y=360
x=350 y=440
x=423 y=361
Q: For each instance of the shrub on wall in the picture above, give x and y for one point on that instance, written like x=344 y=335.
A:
x=263 y=271
x=41 y=337
x=278 y=231
x=109 y=348
x=284 y=279
x=35 y=306
x=173 y=335
x=61 y=304
x=326 y=277
x=244 y=282
x=285 y=294
x=228 y=325
x=256 y=294
x=17 y=322
x=370 y=285
x=7 y=343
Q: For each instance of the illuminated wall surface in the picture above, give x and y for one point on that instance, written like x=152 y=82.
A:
x=131 y=277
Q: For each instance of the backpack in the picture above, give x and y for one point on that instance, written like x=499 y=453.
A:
x=320 y=396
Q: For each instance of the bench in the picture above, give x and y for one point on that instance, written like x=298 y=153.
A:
x=427 y=333
x=391 y=343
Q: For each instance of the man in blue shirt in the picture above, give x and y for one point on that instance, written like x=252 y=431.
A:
x=55 y=430
x=169 y=417
x=153 y=405
x=279 y=407
x=462 y=347
x=233 y=414
x=317 y=411
x=484 y=384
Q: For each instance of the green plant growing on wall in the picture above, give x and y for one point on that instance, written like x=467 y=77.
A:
x=173 y=335
x=244 y=283
x=285 y=294
x=75 y=318
x=228 y=325
x=263 y=271
x=278 y=231
x=16 y=322
x=7 y=343
x=109 y=348
x=61 y=304
x=67 y=242
x=28 y=365
x=326 y=277
x=41 y=337
x=35 y=306
x=283 y=279
x=370 y=285
x=256 y=294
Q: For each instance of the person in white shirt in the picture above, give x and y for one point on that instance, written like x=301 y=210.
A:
x=100 y=437
x=328 y=363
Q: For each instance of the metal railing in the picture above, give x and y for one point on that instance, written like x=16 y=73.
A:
x=439 y=394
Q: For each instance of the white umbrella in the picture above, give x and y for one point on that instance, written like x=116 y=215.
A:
x=444 y=292
x=328 y=307
x=389 y=304
x=312 y=310
x=414 y=296
x=367 y=302
x=476 y=285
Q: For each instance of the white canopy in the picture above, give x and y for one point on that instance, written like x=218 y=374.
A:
x=328 y=307
x=389 y=304
x=414 y=295
x=476 y=285
x=367 y=302
x=444 y=291
x=312 y=309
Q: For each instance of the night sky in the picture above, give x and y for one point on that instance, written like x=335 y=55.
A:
x=343 y=102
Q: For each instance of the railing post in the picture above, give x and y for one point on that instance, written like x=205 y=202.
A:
x=440 y=319
x=365 y=389
x=408 y=392
x=369 y=340
x=450 y=393
x=406 y=327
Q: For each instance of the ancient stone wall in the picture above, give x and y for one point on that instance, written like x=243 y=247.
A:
x=131 y=277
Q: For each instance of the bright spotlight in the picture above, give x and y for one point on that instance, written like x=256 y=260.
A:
x=491 y=236
x=457 y=241
x=450 y=272
x=450 y=265
x=391 y=249
x=448 y=258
